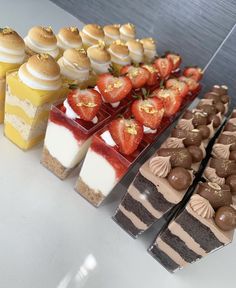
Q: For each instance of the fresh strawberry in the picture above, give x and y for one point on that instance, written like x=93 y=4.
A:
x=153 y=74
x=164 y=67
x=175 y=84
x=171 y=100
x=86 y=103
x=149 y=111
x=192 y=84
x=193 y=72
x=127 y=133
x=138 y=75
x=113 y=89
x=176 y=60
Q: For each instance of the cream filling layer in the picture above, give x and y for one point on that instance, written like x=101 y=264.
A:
x=26 y=131
x=99 y=180
x=64 y=44
x=177 y=230
x=133 y=218
x=30 y=110
x=36 y=47
x=169 y=251
x=143 y=199
x=73 y=72
x=62 y=145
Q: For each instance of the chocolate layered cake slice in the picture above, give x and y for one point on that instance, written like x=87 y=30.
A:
x=205 y=225
x=160 y=184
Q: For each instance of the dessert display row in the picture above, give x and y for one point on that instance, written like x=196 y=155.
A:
x=101 y=98
x=207 y=222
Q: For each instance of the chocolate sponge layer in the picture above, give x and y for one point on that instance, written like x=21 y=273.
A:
x=147 y=188
x=198 y=231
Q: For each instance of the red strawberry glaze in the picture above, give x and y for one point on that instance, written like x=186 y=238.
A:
x=119 y=161
x=81 y=129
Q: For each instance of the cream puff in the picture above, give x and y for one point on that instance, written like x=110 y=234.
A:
x=136 y=51
x=75 y=66
x=69 y=37
x=41 y=40
x=112 y=33
x=149 y=46
x=91 y=34
x=127 y=32
x=119 y=54
x=99 y=57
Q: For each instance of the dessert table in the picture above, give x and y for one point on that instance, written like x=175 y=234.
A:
x=47 y=229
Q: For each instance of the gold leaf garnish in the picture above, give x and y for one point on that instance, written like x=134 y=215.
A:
x=89 y=104
x=74 y=29
x=42 y=56
x=131 y=26
x=117 y=84
x=148 y=108
x=101 y=44
x=150 y=68
x=81 y=50
x=134 y=73
x=7 y=30
x=131 y=128
x=119 y=42
x=48 y=29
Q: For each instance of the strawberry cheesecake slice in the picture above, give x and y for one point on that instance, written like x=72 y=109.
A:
x=113 y=149
x=70 y=127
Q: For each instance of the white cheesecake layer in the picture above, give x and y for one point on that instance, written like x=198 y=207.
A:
x=62 y=145
x=98 y=173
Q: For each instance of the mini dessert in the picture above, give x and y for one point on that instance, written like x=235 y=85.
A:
x=119 y=55
x=41 y=40
x=113 y=149
x=69 y=130
x=127 y=32
x=29 y=94
x=72 y=124
x=67 y=38
x=91 y=34
x=205 y=225
x=111 y=33
x=100 y=61
x=75 y=67
x=160 y=184
x=136 y=51
x=12 y=55
x=150 y=51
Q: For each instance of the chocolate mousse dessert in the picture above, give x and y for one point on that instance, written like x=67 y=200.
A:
x=206 y=224
x=164 y=179
x=160 y=184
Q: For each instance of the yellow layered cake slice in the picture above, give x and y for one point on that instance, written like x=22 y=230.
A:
x=29 y=95
x=12 y=54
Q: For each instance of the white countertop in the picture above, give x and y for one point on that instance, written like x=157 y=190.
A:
x=47 y=229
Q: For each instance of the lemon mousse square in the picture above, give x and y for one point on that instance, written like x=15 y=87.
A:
x=12 y=54
x=29 y=95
